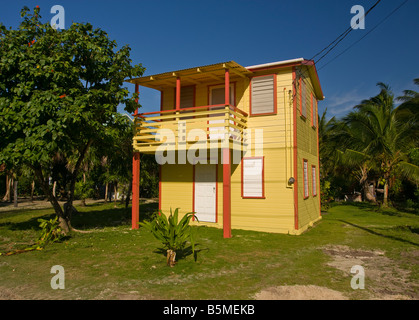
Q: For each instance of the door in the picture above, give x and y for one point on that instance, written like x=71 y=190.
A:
x=205 y=192
x=217 y=97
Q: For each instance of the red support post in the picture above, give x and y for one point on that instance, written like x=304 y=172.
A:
x=226 y=193
x=178 y=93
x=135 y=190
x=227 y=86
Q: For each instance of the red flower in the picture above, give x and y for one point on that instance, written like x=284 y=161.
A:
x=63 y=96
x=37 y=7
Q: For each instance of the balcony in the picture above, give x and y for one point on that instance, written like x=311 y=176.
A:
x=212 y=127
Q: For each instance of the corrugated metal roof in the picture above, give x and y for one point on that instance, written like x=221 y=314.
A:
x=195 y=74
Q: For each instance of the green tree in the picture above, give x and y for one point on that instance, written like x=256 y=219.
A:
x=380 y=131
x=59 y=92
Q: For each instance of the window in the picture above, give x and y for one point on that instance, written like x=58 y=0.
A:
x=187 y=97
x=313 y=179
x=305 y=174
x=217 y=94
x=263 y=95
x=253 y=178
x=303 y=98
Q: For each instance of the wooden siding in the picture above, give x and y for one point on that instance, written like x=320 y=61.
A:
x=308 y=207
x=274 y=213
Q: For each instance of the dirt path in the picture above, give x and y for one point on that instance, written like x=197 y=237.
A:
x=384 y=279
x=38 y=204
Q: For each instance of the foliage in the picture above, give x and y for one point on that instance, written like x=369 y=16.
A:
x=172 y=234
x=84 y=190
x=59 y=93
x=374 y=143
x=325 y=194
x=50 y=232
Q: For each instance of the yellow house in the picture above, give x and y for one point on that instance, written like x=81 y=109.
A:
x=237 y=145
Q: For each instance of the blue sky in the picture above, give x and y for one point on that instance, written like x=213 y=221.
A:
x=177 y=34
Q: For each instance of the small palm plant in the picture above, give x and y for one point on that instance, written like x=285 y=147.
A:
x=172 y=234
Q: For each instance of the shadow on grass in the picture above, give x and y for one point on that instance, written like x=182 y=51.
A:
x=399 y=228
x=89 y=219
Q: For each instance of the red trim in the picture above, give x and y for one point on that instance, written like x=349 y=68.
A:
x=178 y=86
x=275 y=97
x=182 y=87
x=135 y=191
x=227 y=87
x=304 y=182
x=189 y=109
x=288 y=65
x=263 y=177
x=226 y=193
x=233 y=85
x=314 y=194
x=294 y=94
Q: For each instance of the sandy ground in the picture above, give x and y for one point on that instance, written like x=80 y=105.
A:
x=384 y=280
x=299 y=292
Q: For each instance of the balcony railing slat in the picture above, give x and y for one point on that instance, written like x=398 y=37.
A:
x=223 y=124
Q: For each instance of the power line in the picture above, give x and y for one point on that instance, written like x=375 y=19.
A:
x=375 y=27
x=342 y=36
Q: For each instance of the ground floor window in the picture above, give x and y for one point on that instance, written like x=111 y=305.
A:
x=253 y=178
x=313 y=178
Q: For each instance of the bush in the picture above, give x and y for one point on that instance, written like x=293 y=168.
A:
x=170 y=233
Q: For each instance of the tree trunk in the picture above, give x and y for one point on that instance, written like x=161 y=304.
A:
x=106 y=191
x=15 y=193
x=68 y=208
x=54 y=187
x=7 y=194
x=44 y=183
x=32 y=189
x=170 y=258
x=385 y=200
x=115 y=189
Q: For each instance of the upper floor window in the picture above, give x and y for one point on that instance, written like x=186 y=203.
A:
x=263 y=95
x=187 y=97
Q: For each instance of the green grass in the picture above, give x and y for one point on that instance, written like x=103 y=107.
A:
x=115 y=262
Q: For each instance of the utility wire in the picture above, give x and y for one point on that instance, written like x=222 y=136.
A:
x=342 y=36
x=375 y=27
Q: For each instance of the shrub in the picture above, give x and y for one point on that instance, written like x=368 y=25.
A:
x=172 y=234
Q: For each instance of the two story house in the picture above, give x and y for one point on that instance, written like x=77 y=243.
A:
x=237 y=145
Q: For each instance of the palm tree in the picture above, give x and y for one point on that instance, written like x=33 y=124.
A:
x=381 y=132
